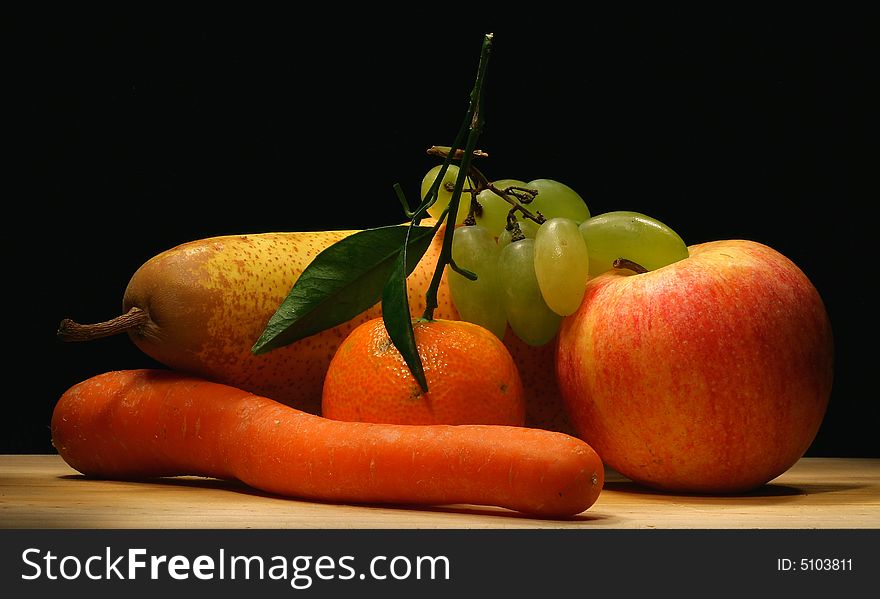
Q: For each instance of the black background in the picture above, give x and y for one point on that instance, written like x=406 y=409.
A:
x=133 y=135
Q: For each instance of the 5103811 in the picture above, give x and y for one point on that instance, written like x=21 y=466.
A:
x=814 y=564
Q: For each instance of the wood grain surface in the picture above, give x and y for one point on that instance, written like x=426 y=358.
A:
x=41 y=491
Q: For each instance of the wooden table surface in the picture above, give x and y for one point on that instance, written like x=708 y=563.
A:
x=41 y=491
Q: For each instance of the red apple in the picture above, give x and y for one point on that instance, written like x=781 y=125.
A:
x=709 y=375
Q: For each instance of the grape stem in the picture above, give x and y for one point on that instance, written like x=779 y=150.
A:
x=514 y=195
x=443 y=152
x=516 y=233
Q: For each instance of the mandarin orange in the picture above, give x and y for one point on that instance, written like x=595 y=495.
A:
x=472 y=378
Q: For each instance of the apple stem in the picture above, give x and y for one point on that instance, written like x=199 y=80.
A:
x=629 y=265
x=69 y=330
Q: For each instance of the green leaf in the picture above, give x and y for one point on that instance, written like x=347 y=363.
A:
x=395 y=301
x=342 y=281
x=398 y=321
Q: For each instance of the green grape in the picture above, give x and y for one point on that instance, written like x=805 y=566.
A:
x=527 y=313
x=504 y=238
x=630 y=235
x=443 y=196
x=493 y=215
x=479 y=302
x=557 y=199
x=561 y=264
x=528 y=227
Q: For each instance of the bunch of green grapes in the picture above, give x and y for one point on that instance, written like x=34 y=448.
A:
x=524 y=260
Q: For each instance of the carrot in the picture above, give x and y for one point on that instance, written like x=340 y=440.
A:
x=138 y=424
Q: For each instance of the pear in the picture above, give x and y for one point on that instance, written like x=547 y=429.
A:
x=199 y=307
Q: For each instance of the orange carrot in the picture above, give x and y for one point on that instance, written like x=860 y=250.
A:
x=138 y=424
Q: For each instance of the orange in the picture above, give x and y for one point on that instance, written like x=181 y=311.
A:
x=472 y=378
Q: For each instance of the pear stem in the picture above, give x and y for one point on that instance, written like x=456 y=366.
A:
x=70 y=330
